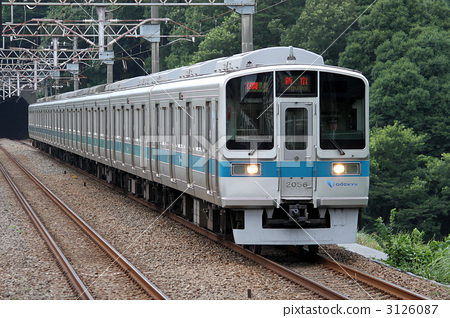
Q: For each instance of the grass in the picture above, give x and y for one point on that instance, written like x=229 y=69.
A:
x=367 y=240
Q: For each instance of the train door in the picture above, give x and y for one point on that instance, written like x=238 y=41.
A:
x=296 y=166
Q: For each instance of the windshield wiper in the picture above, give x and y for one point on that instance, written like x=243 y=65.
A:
x=335 y=144
x=253 y=147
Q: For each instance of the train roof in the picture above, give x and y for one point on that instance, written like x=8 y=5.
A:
x=262 y=57
x=257 y=58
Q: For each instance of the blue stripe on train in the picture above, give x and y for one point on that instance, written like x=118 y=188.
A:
x=269 y=169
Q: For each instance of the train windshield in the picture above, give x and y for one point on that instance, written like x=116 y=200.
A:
x=342 y=112
x=250 y=119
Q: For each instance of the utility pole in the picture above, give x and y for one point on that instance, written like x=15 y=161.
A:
x=247 y=32
x=106 y=56
x=155 y=45
x=245 y=8
x=55 y=64
x=109 y=48
x=76 y=85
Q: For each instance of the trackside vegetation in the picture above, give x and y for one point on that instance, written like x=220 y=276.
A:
x=410 y=253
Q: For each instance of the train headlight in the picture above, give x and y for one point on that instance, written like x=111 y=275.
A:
x=346 y=168
x=253 y=169
x=245 y=169
x=338 y=168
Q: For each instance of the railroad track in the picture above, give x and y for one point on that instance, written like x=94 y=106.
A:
x=361 y=285
x=370 y=280
x=95 y=269
x=347 y=283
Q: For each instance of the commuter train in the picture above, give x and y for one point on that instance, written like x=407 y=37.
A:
x=269 y=146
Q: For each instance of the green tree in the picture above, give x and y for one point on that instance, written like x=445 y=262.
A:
x=431 y=214
x=394 y=162
x=412 y=84
x=198 y=20
x=274 y=18
x=416 y=186
x=320 y=28
x=224 y=40
x=386 y=18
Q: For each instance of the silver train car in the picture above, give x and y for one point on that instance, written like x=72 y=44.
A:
x=271 y=146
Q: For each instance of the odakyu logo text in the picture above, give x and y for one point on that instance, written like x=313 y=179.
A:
x=341 y=184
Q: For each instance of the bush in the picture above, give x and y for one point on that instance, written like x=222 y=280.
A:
x=408 y=252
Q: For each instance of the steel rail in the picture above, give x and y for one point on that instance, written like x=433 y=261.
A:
x=312 y=285
x=68 y=270
x=379 y=283
x=297 y=278
x=118 y=258
x=280 y=270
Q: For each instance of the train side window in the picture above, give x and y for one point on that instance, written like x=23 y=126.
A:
x=86 y=115
x=92 y=126
x=208 y=132
x=98 y=114
x=157 y=126
x=199 y=132
x=188 y=128
x=163 y=124
x=81 y=125
x=143 y=123
x=131 y=123
x=137 y=123
x=90 y=121
x=102 y=124
x=113 y=128
x=69 y=122
x=127 y=123
x=172 y=121
x=122 y=123
x=99 y=127
x=180 y=127
x=116 y=121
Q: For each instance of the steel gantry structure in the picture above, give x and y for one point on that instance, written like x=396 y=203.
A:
x=69 y=43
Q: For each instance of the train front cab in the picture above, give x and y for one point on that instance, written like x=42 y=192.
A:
x=313 y=192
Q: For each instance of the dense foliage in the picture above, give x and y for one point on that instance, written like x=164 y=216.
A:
x=401 y=46
x=408 y=251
